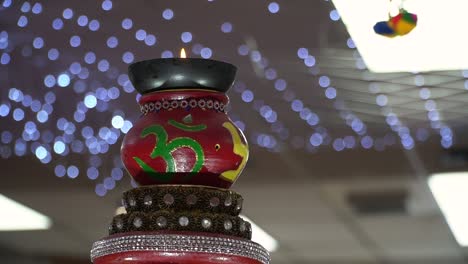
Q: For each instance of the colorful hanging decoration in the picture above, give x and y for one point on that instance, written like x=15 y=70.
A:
x=403 y=23
x=399 y=25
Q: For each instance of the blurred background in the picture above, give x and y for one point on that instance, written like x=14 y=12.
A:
x=349 y=131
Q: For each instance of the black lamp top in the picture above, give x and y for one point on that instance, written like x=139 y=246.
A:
x=188 y=73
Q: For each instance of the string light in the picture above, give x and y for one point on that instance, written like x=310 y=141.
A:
x=100 y=80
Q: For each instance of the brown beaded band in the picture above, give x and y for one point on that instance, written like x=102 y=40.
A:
x=189 y=103
x=181 y=221
x=174 y=198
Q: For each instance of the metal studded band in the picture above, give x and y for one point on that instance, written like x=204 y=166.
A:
x=181 y=198
x=181 y=243
x=204 y=103
x=191 y=221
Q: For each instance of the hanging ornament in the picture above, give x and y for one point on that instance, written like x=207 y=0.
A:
x=399 y=25
x=404 y=22
x=384 y=28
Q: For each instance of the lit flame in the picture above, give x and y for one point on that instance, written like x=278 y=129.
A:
x=182 y=53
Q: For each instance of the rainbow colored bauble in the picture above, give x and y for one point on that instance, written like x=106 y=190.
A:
x=399 y=25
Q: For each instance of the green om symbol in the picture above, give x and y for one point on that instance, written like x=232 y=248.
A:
x=164 y=149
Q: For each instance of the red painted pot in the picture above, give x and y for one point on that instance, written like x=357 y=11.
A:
x=185 y=137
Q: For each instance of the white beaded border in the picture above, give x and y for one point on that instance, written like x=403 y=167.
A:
x=192 y=103
x=180 y=243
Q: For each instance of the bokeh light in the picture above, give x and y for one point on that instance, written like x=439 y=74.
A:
x=273 y=7
x=168 y=14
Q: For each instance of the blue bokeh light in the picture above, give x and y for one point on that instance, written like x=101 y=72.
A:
x=381 y=100
x=206 y=53
x=94 y=25
x=112 y=42
x=41 y=152
x=63 y=80
x=338 y=144
x=15 y=95
x=92 y=173
x=367 y=142
x=106 y=5
x=167 y=54
x=297 y=105
x=90 y=101
x=350 y=43
x=186 y=37
x=53 y=54
x=117 y=122
x=226 y=27
x=273 y=7
x=57 y=24
x=22 y=21
x=6 y=137
x=18 y=114
x=302 y=53
x=128 y=57
x=127 y=23
x=82 y=21
x=140 y=34
x=20 y=147
x=75 y=68
x=103 y=65
x=4 y=110
x=100 y=190
x=430 y=105
x=67 y=13
x=150 y=40
x=42 y=116
x=243 y=50
x=75 y=41
x=168 y=14
x=117 y=174
x=316 y=139
x=313 y=119
x=126 y=126
x=59 y=147
x=270 y=74
x=247 y=96
x=27 y=101
x=310 y=61
x=60 y=170
x=424 y=93
x=334 y=15
x=330 y=93
x=90 y=57
x=5 y=58
x=7 y=3
x=324 y=81
x=73 y=172
x=26 y=7
x=280 y=85
x=255 y=56
x=38 y=42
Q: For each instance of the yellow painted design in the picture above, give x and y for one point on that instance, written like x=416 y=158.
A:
x=240 y=149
